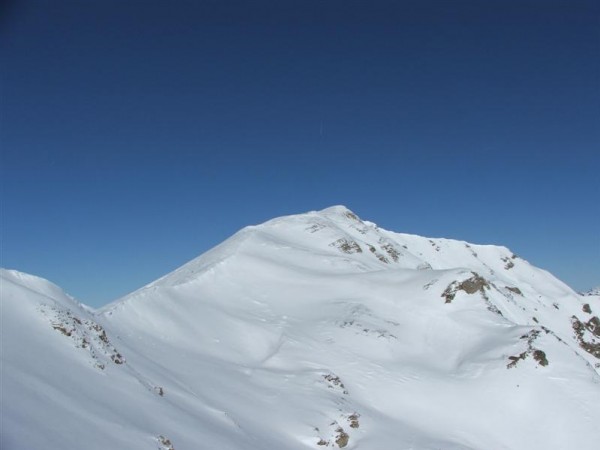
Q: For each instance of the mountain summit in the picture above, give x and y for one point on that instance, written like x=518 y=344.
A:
x=317 y=330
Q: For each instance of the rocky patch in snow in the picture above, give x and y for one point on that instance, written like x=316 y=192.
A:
x=164 y=443
x=334 y=382
x=538 y=355
x=336 y=435
x=508 y=264
x=515 y=290
x=315 y=227
x=85 y=334
x=379 y=256
x=587 y=333
x=347 y=246
x=340 y=425
x=471 y=285
x=392 y=251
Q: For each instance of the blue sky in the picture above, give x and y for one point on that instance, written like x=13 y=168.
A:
x=137 y=135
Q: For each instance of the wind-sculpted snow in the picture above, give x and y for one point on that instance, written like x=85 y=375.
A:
x=319 y=330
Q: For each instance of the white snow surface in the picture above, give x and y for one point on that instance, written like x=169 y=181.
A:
x=317 y=330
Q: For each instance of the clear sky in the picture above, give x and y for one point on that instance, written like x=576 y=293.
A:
x=135 y=135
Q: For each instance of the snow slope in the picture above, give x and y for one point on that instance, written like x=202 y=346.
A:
x=318 y=330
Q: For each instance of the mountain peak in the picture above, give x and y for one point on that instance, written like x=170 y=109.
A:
x=337 y=214
x=350 y=329
x=338 y=210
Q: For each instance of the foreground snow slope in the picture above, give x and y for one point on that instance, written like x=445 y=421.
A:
x=311 y=331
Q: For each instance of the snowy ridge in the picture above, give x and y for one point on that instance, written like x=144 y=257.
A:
x=317 y=330
x=593 y=292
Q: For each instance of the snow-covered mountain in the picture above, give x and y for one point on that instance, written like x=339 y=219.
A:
x=594 y=292
x=318 y=330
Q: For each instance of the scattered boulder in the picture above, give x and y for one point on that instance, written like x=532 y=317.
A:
x=540 y=357
x=334 y=382
x=471 y=285
x=164 y=443
x=508 y=264
x=342 y=438
x=353 y=420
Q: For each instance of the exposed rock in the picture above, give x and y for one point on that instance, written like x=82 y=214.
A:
x=353 y=420
x=538 y=355
x=333 y=382
x=594 y=326
x=379 y=256
x=434 y=245
x=347 y=246
x=164 y=443
x=62 y=329
x=85 y=334
x=342 y=438
x=394 y=254
x=315 y=227
x=590 y=346
x=515 y=359
x=351 y=215
x=471 y=285
x=508 y=263
x=516 y=290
